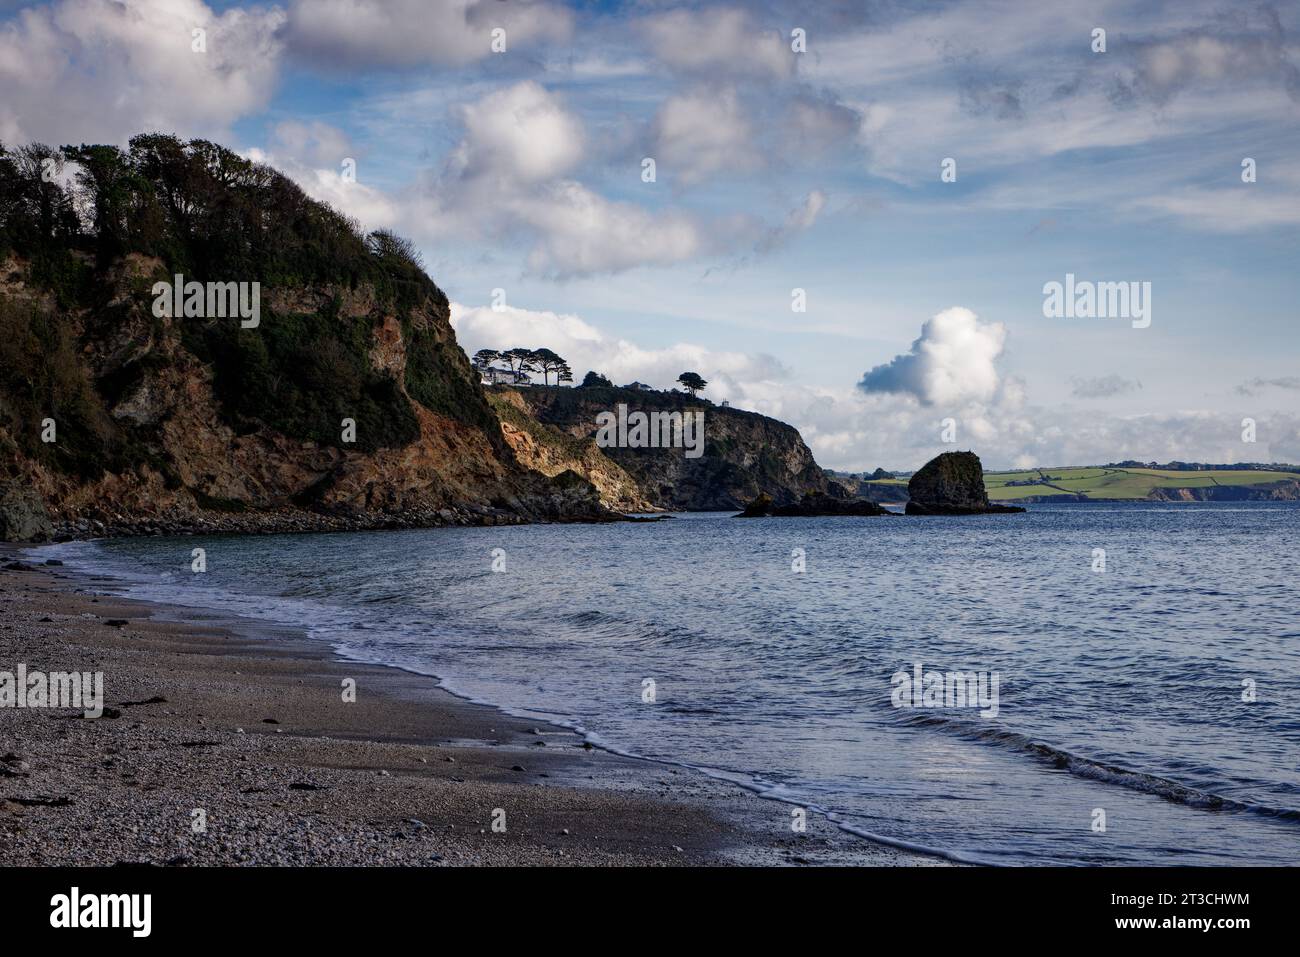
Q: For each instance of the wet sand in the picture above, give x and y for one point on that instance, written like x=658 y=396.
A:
x=252 y=731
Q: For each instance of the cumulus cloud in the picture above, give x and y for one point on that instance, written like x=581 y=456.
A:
x=511 y=176
x=517 y=136
x=119 y=67
x=953 y=361
x=1102 y=387
x=722 y=42
x=582 y=233
x=703 y=132
x=407 y=33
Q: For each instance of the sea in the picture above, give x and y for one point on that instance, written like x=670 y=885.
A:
x=1132 y=670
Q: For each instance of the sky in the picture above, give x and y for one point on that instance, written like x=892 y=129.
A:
x=855 y=212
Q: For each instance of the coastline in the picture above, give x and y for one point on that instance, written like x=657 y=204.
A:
x=250 y=728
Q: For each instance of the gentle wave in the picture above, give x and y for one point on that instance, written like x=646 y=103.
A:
x=1063 y=760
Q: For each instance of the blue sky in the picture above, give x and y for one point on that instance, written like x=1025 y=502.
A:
x=779 y=170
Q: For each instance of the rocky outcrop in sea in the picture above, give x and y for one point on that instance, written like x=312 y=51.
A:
x=952 y=484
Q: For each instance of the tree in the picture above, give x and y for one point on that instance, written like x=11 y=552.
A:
x=520 y=362
x=390 y=247
x=484 y=358
x=547 y=362
x=692 y=382
x=593 y=379
x=106 y=177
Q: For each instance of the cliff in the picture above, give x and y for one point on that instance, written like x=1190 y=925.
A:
x=348 y=404
x=552 y=451
x=744 y=453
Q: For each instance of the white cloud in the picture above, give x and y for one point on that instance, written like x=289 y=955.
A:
x=953 y=361
x=719 y=42
x=99 y=71
x=517 y=136
x=390 y=34
x=816 y=122
x=312 y=143
x=581 y=233
x=509 y=177
x=701 y=133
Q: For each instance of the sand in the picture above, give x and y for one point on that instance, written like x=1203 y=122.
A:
x=250 y=729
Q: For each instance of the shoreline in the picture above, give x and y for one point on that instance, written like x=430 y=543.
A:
x=248 y=726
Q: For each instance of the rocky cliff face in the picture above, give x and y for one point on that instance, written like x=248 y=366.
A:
x=1288 y=491
x=744 y=453
x=348 y=405
x=552 y=451
x=183 y=452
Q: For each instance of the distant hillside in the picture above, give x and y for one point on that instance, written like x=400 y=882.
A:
x=1112 y=483
x=1205 y=467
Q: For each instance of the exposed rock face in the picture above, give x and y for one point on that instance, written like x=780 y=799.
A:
x=951 y=484
x=745 y=453
x=22 y=515
x=812 y=505
x=551 y=451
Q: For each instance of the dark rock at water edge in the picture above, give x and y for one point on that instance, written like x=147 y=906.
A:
x=952 y=484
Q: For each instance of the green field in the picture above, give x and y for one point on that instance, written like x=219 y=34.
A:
x=1128 y=483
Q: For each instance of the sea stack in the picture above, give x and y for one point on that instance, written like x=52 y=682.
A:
x=952 y=484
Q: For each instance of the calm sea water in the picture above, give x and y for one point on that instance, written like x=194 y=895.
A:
x=1119 y=691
